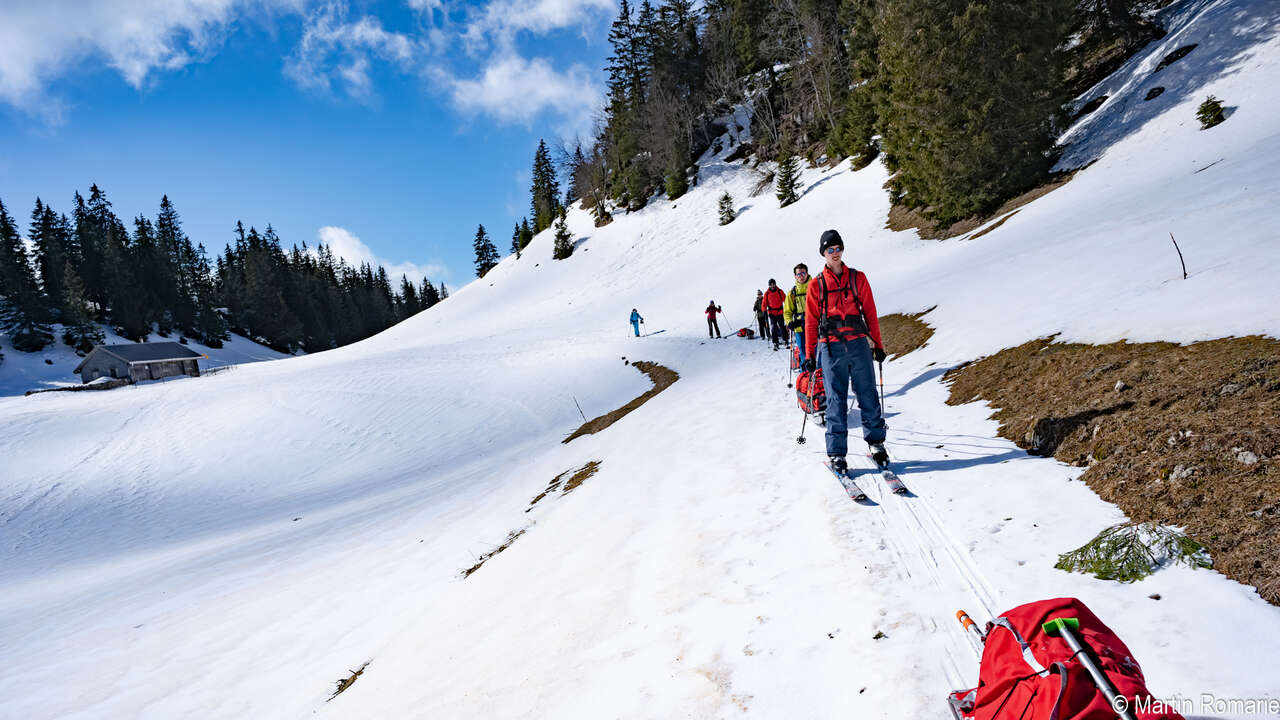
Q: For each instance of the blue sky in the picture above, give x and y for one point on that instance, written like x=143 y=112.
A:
x=388 y=129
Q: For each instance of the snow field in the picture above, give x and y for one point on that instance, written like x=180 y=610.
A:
x=153 y=566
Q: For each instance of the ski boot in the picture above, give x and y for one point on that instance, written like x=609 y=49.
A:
x=879 y=455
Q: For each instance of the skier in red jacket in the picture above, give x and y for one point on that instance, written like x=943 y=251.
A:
x=841 y=325
x=772 y=304
x=712 y=325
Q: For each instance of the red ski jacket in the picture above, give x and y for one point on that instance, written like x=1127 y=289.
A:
x=773 y=300
x=842 y=299
x=711 y=311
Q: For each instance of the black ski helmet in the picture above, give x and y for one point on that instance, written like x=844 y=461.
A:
x=830 y=238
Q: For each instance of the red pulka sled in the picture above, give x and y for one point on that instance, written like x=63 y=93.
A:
x=1054 y=660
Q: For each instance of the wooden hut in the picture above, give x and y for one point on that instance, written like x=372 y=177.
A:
x=139 y=361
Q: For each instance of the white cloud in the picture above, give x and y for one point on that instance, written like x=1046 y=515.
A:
x=332 y=48
x=346 y=245
x=502 y=19
x=513 y=89
x=41 y=40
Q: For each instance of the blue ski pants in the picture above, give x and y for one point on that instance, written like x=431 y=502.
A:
x=844 y=363
x=635 y=325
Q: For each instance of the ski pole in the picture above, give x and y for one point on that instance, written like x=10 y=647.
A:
x=1066 y=628
x=970 y=625
x=881 y=364
x=800 y=440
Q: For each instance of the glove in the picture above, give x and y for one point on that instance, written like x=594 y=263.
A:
x=878 y=354
x=807 y=366
x=795 y=325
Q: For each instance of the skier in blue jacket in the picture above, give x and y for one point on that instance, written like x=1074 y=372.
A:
x=636 y=321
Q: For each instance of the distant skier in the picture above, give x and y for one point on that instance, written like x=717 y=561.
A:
x=773 y=300
x=761 y=317
x=636 y=321
x=840 y=317
x=793 y=308
x=712 y=325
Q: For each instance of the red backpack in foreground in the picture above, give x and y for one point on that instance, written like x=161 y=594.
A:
x=746 y=333
x=810 y=392
x=1029 y=674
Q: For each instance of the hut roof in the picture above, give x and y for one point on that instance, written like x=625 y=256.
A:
x=144 y=352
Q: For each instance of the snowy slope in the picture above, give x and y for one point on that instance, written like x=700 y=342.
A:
x=231 y=547
x=55 y=365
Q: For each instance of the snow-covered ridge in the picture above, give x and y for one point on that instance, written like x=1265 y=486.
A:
x=233 y=546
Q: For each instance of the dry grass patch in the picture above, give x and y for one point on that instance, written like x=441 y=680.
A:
x=905 y=218
x=581 y=476
x=347 y=682
x=662 y=377
x=904 y=333
x=511 y=538
x=1182 y=435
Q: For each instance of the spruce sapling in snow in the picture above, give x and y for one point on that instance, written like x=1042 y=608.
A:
x=727 y=213
x=1210 y=113
x=515 y=242
x=564 y=239
x=788 y=174
x=486 y=253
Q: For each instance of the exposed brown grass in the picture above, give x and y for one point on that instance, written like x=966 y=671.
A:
x=662 y=378
x=904 y=333
x=581 y=476
x=994 y=225
x=904 y=218
x=511 y=538
x=347 y=682
x=1183 y=435
x=551 y=487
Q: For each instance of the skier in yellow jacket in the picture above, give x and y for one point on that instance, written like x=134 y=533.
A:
x=793 y=307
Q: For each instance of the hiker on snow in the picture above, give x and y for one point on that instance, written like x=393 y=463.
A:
x=773 y=300
x=761 y=317
x=793 y=308
x=842 y=327
x=712 y=325
x=636 y=321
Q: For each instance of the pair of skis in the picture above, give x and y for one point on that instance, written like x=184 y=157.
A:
x=857 y=494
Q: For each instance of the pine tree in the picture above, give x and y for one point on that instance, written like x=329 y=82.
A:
x=78 y=327
x=176 y=265
x=486 y=253
x=564 y=239
x=1210 y=113
x=430 y=296
x=727 y=213
x=974 y=99
x=516 y=246
x=526 y=233
x=23 y=308
x=126 y=297
x=47 y=234
x=677 y=183
x=788 y=174
x=409 y=305
x=210 y=325
x=545 y=189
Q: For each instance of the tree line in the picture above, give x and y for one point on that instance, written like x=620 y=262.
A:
x=90 y=269
x=962 y=99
